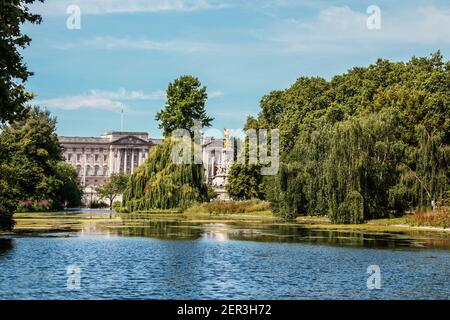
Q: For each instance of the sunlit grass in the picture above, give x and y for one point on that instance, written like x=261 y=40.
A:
x=72 y=222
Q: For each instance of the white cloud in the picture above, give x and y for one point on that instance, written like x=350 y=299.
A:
x=81 y=102
x=99 y=99
x=92 y=7
x=342 y=28
x=114 y=43
x=334 y=29
x=123 y=94
x=215 y=94
x=105 y=100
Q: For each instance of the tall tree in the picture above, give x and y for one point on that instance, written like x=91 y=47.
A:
x=371 y=142
x=185 y=105
x=115 y=186
x=30 y=147
x=13 y=71
x=13 y=96
x=429 y=177
x=161 y=184
x=8 y=197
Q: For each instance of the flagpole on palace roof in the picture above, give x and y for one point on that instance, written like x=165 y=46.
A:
x=121 y=121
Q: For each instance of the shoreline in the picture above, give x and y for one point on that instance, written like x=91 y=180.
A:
x=33 y=223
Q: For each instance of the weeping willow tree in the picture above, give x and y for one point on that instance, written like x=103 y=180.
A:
x=348 y=170
x=370 y=143
x=428 y=176
x=161 y=184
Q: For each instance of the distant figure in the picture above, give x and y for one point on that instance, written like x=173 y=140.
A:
x=433 y=204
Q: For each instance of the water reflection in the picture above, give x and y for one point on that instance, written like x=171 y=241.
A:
x=5 y=245
x=180 y=229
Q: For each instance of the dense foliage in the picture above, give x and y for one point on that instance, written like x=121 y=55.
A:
x=33 y=173
x=161 y=184
x=245 y=182
x=8 y=197
x=13 y=71
x=368 y=143
x=13 y=96
x=185 y=105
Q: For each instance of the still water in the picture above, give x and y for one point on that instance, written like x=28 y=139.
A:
x=158 y=259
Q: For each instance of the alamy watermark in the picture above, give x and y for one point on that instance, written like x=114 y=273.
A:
x=73 y=277
x=244 y=147
x=374 y=279
x=73 y=21
x=373 y=22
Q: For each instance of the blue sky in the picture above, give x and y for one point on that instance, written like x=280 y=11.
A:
x=127 y=51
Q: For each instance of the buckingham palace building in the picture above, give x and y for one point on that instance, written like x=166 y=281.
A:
x=96 y=158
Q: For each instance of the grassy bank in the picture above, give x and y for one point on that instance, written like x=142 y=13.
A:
x=231 y=207
x=29 y=223
x=239 y=212
x=38 y=222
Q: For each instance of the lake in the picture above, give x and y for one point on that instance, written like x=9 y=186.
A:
x=177 y=259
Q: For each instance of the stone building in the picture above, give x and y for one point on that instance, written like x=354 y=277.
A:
x=96 y=158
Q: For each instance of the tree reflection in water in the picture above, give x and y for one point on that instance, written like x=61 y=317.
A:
x=6 y=245
x=183 y=229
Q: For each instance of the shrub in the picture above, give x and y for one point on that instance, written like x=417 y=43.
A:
x=438 y=218
x=121 y=209
x=117 y=205
x=95 y=204
x=32 y=205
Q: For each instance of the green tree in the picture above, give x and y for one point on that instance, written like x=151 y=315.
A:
x=115 y=186
x=161 y=184
x=30 y=147
x=375 y=138
x=351 y=210
x=185 y=105
x=428 y=178
x=13 y=71
x=245 y=182
x=69 y=191
x=8 y=197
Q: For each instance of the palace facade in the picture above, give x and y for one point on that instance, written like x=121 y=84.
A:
x=96 y=158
